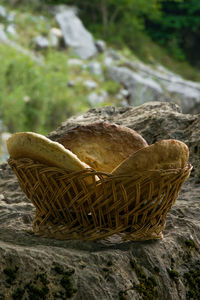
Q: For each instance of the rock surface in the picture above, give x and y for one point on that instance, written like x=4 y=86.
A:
x=168 y=269
x=75 y=35
x=55 y=37
x=41 y=42
x=156 y=83
x=3 y=12
x=3 y=36
x=97 y=98
x=101 y=46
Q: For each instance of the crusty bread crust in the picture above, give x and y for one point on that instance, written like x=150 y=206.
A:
x=165 y=154
x=102 y=146
x=42 y=149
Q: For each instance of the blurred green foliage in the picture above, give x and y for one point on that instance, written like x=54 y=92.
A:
x=174 y=24
x=35 y=96
x=114 y=19
x=178 y=28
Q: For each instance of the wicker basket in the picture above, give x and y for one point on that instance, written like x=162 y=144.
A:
x=134 y=207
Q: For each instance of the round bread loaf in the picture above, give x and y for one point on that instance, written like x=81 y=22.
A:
x=39 y=148
x=165 y=154
x=102 y=146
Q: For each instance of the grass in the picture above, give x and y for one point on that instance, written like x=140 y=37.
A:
x=35 y=97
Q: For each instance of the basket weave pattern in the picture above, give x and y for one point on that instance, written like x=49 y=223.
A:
x=67 y=207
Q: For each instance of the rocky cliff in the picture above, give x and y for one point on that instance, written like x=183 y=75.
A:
x=32 y=267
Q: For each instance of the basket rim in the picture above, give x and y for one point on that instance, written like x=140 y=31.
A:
x=32 y=162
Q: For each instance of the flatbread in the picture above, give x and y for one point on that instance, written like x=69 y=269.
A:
x=165 y=154
x=39 y=148
x=102 y=146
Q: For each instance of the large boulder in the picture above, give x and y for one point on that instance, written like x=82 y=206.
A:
x=75 y=34
x=155 y=83
x=166 y=269
x=140 y=89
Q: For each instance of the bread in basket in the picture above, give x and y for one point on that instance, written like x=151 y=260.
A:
x=98 y=180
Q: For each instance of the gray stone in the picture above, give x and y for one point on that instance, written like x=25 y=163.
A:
x=75 y=35
x=53 y=41
x=71 y=83
x=108 y=61
x=95 y=68
x=146 y=84
x=119 y=96
x=56 y=31
x=11 y=16
x=74 y=62
x=124 y=93
x=124 y=102
x=108 y=269
x=101 y=46
x=41 y=42
x=3 y=12
x=114 y=54
x=111 y=58
x=55 y=37
x=3 y=149
x=90 y=84
x=97 y=98
x=140 y=89
x=3 y=36
x=11 y=29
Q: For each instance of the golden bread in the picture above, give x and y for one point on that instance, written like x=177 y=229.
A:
x=165 y=154
x=102 y=146
x=39 y=148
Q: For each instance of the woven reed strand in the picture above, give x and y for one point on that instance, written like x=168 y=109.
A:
x=68 y=207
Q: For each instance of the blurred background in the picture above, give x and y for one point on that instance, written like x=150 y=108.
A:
x=60 y=58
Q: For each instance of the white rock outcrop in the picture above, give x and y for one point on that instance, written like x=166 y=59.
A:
x=75 y=34
x=146 y=83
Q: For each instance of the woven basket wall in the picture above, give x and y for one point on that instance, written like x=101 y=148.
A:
x=67 y=207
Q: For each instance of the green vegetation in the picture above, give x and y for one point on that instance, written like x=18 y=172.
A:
x=147 y=286
x=65 y=280
x=192 y=281
x=190 y=244
x=40 y=286
x=58 y=269
x=68 y=286
x=173 y=24
x=35 y=96
x=173 y=274
x=156 y=269
x=11 y=274
x=36 y=293
x=178 y=29
x=122 y=295
x=18 y=294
